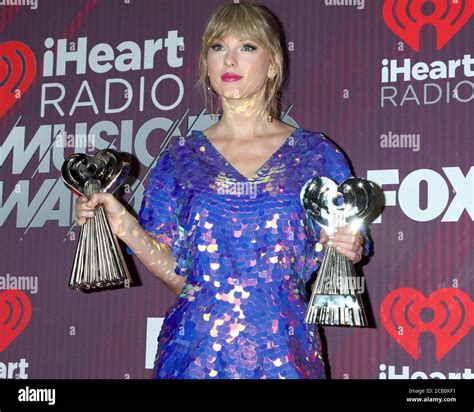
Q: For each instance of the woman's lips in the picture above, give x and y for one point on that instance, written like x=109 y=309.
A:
x=230 y=77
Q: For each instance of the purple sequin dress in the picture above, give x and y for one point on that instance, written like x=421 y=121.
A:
x=246 y=252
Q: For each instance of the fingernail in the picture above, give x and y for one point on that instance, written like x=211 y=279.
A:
x=90 y=214
x=89 y=203
x=330 y=243
x=338 y=248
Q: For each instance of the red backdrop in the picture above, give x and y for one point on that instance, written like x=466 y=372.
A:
x=392 y=85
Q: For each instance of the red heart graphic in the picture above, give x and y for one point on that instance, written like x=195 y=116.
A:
x=406 y=19
x=15 y=313
x=453 y=318
x=17 y=71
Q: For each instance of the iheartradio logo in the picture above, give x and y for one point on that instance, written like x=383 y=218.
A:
x=406 y=18
x=447 y=313
x=15 y=314
x=17 y=71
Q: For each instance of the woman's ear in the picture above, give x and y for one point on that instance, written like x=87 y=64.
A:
x=271 y=71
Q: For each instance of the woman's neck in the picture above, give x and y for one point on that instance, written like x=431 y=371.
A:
x=242 y=119
x=242 y=126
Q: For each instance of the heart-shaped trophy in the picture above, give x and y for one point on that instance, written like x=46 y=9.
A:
x=337 y=294
x=98 y=261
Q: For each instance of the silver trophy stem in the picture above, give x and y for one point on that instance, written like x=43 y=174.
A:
x=335 y=299
x=98 y=261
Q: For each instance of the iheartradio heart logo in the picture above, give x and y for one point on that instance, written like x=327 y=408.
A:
x=354 y=198
x=108 y=167
x=17 y=71
x=406 y=18
x=451 y=312
x=15 y=313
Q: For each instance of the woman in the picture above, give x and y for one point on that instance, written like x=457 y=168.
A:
x=221 y=223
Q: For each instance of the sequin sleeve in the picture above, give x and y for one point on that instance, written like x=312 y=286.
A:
x=159 y=205
x=334 y=163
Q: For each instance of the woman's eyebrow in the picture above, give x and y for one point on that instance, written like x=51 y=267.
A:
x=240 y=40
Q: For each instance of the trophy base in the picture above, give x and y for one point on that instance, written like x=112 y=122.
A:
x=336 y=310
x=96 y=286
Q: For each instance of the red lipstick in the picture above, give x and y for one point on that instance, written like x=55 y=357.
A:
x=230 y=77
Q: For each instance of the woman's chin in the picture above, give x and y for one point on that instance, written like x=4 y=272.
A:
x=236 y=94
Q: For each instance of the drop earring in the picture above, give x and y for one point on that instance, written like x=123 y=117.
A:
x=209 y=89
x=269 y=117
x=219 y=105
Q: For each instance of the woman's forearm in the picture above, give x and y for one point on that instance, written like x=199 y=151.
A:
x=156 y=256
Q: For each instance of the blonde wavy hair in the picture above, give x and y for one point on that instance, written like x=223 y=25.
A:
x=249 y=21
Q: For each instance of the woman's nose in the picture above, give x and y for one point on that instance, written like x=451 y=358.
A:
x=230 y=59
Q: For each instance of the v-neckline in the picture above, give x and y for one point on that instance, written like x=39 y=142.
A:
x=234 y=169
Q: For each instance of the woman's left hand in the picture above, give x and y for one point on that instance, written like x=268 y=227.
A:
x=346 y=241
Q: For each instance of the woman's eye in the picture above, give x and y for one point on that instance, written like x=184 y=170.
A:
x=216 y=47
x=245 y=47
x=249 y=47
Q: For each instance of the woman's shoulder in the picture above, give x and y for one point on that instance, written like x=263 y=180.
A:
x=179 y=146
x=319 y=140
x=320 y=149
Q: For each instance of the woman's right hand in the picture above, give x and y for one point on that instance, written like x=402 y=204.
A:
x=116 y=211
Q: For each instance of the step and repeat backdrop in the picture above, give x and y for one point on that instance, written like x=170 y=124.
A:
x=391 y=81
